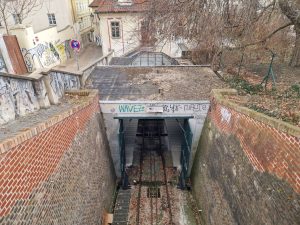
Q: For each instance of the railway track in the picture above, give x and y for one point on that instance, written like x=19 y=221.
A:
x=154 y=181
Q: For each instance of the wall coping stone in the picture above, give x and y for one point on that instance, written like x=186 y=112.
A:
x=64 y=71
x=95 y=62
x=15 y=76
x=218 y=95
x=26 y=134
x=166 y=66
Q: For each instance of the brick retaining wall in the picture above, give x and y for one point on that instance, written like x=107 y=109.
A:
x=247 y=169
x=267 y=147
x=60 y=174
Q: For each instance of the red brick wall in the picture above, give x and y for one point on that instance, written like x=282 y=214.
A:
x=29 y=164
x=268 y=149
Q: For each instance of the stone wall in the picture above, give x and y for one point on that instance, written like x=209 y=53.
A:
x=20 y=95
x=17 y=98
x=59 y=172
x=247 y=168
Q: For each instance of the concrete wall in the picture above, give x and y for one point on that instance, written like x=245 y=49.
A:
x=58 y=172
x=5 y=61
x=20 y=96
x=135 y=109
x=247 y=168
x=17 y=98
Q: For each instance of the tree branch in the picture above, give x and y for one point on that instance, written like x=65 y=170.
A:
x=267 y=37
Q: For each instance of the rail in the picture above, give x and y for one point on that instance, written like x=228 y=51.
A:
x=152 y=160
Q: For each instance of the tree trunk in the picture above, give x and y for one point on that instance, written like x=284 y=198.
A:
x=6 y=26
x=295 y=60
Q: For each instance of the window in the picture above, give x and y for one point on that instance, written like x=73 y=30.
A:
x=84 y=22
x=115 y=29
x=17 y=18
x=52 y=19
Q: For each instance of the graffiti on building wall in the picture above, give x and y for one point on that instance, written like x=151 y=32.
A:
x=62 y=82
x=46 y=54
x=64 y=50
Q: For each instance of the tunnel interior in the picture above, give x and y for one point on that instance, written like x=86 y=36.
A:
x=154 y=160
x=169 y=139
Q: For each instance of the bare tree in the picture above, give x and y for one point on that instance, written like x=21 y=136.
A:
x=22 y=8
x=4 y=14
x=291 y=8
x=214 y=24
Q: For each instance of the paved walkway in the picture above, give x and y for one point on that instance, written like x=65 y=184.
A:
x=88 y=54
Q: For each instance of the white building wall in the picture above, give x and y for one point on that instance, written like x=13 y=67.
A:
x=170 y=48
x=129 y=32
x=130 y=35
x=38 y=18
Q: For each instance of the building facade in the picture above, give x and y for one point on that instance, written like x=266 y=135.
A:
x=44 y=33
x=122 y=26
x=119 y=24
x=47 y=14
x=84 y=18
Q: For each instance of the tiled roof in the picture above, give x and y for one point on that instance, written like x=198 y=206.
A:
x=105 y=6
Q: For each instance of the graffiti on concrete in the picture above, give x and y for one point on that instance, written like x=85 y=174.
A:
x=41 y=92
x=46 y=55
x=98 y=40
x=24 y=97
x=226 y=115
x=61 y=82
x=17 y=98
x=7 y=107
x=54 y=52
x=64 y=51
x=35 y=53
x=167 y=108
x=131 y=108
x=2 y=65
x=28 y=60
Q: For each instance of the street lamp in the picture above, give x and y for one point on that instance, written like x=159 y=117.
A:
x=92 y=17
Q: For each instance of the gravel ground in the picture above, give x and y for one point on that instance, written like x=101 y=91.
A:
x=169 y=83
x=282 y=103
x=184 y=212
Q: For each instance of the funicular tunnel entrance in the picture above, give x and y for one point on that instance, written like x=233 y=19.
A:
x=154 y=158
x=168 y=140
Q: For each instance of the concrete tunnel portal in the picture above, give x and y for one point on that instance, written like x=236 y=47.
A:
x=170 y=128
x=153 y=118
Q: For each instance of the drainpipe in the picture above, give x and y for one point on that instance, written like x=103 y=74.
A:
x=73 y=12
x=122 y=37
x=108 y=34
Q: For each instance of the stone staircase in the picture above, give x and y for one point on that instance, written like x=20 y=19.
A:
x=122 y=208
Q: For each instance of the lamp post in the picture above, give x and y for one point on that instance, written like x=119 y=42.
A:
x=92 y=18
